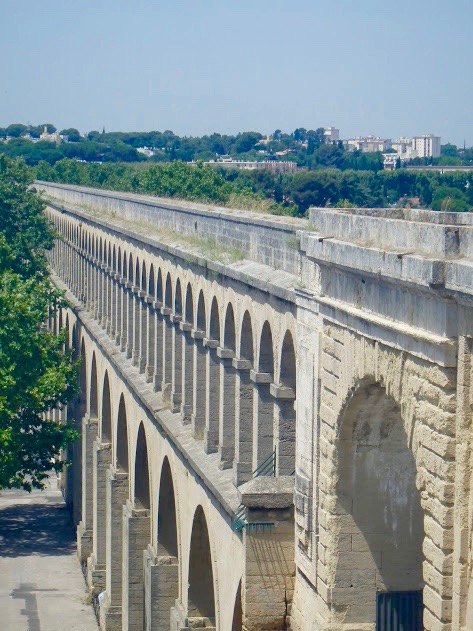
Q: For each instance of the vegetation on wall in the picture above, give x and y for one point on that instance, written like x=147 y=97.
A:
x=36 y=373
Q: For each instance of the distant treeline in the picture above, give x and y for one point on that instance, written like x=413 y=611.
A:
x=276 y=193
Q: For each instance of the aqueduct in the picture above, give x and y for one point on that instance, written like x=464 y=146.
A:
x=275 y=414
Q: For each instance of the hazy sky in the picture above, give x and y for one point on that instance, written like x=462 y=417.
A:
x=366 y=66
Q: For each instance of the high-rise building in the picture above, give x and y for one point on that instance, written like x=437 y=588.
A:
x=426 y=146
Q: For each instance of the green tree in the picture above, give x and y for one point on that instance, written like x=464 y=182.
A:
x=73 y=134
x=15 y=130
x=36 y=374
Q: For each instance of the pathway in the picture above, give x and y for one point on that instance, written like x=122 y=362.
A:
x=41 y=584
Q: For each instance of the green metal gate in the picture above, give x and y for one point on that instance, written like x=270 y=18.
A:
x=399 y=611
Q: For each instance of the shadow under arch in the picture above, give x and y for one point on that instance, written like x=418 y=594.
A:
x=106 y=416
x=122 y=438
x=167 y=521
x=377 y=495
x=237 y=623
x=201 y=600
x=141 y=490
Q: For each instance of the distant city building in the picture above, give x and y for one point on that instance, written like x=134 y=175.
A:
x=368 y=144
x=426 y=146
x=331 y=135
x=55 y=137
x=275 y=166
x=146 y=151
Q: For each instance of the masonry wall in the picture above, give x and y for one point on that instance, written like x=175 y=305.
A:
x=266 y=239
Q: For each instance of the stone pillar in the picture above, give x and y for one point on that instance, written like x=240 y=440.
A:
x=143 y=342
x=285 y=429
x=200 y=385
x=187 y=372
x=161 y=576
x=85 y=534
x=117 y=496
x=151 y=340
x=268 y=534
x=176 y=373
x=135 y=355
x=167 y=354
x=213 y=396
x=243 y=461
x=119 y=312
x=129 y=319
x=111 y=324
x=226 y=445
x=263 y=417
x=96 y=563
x=136 y=537
x=158 y=348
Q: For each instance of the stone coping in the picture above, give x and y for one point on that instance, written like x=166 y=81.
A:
x=268 y=492
x=276 y=282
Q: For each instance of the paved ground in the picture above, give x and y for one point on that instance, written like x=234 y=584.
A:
x=41 y=584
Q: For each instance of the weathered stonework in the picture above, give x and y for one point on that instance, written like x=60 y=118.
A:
x=338 y=358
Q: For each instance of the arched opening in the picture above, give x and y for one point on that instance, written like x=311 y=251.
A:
x=227 y=392
x=151 y=282
x=106 y=420
x=214 y=324
x=82 y=402
x=94 y=403
x=167 y=523
x=213 y=364
x=122 y=437
x=286 y=425
x=141 y=494
x=237 y=623
x=130 y=268
x=144 y=286
x=201 y=601
x=159 y=287
x=380 y=505
x=189 y=305
x=264 y=433
x=244 y=405
x=188 y=359
x=201 y=317
x=178 y=299
x=168 y=294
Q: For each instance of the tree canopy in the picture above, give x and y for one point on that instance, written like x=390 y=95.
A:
x=36 y=373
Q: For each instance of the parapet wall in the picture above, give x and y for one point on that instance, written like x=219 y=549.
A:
x=269 y=240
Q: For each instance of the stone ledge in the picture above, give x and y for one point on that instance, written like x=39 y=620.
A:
x=268 y=492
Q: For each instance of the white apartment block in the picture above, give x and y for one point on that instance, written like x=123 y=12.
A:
x=426 y=146
x=331 y=135
x=368 y=144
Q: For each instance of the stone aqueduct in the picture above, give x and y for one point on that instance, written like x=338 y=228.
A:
x=275 y=414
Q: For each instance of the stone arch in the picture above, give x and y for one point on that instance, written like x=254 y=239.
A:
x=213 y=376
x=141 y=479
x=119 y=261
x=168 y=292
x=100 y=257
x=178 y=298
x=246 y=338
x=229 y=332
x=228 y=391
x=144 y=277
x=189 y=308
x=122 y=437
x=109 y=256
x=130 y=268
x=201 y=600
x=136 y=278
x=264 y=432
x=159 y=287
x=151 y=282
x=237 y=623
x=93 y=390
x=243 y=465
x=379 y=503
x=214 y=324
x=201 y=316
x=167 y=519
x=286 y=395
x=106 y=416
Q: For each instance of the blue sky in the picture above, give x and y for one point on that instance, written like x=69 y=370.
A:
x=366 y=66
